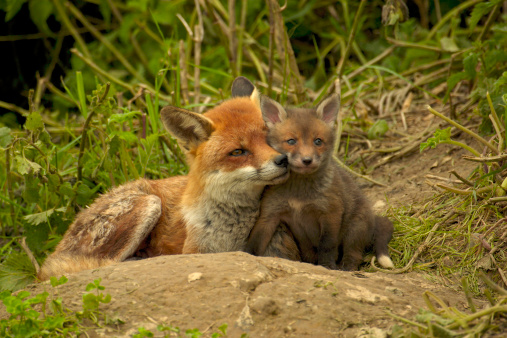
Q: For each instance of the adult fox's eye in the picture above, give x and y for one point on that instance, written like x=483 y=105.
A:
x=291 y=142
x=237 y=152
x=317 y=142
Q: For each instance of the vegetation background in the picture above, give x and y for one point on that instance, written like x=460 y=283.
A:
x=82 y=83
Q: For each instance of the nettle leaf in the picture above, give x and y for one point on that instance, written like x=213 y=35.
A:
x=124 y=117
x=34 y=122
x=40 y=11
x=127 y=136
x=16 y=272
x=25 y=166
x=494 y=58
x=84 y=193
x=480 y=10
x=5 y=137
x=470 y=64
x=114 y=145
x=456 y=78
x=38 y=218
x=500 y=85
x=31 y=192
x=53 y=182
x=440 y=135
x=36 y=236
x=67 y=190
x=453 y=80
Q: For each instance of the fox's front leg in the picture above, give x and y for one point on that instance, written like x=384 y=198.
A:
x=261 y=234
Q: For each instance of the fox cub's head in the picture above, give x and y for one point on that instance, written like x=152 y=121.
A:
x=227 y=145
x=306 y=135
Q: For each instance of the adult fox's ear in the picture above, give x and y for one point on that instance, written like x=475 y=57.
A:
x=242 y=87
x=188 y=127
x=272 y=111
x=329 y=109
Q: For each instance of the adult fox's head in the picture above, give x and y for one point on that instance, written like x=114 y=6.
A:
x=226 y=147
x=306 y=135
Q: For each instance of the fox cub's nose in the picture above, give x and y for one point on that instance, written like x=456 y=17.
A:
x=307 y=160
x=282 y=160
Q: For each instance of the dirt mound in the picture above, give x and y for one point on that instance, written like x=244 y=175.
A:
x=264 y=297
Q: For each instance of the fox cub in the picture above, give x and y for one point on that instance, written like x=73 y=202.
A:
x=326 y=212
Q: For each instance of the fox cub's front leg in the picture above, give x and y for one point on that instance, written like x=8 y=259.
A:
x=261 y=234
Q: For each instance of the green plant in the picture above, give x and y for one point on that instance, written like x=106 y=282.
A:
x=444 y=321
x=192 y=333
x=26 y=321
x=91 y=301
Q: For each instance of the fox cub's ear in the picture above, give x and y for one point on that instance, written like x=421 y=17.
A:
x=272 y=111
x=242 y=87
x=329 y=109
x=188 y=127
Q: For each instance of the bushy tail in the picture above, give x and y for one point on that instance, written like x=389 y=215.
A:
x=382 y=235
x=62 y=263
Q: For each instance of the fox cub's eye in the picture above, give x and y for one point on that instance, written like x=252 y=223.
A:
x=318 y=142
x=291 y=142
x=237 y=152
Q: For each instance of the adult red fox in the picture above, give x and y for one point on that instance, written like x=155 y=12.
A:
x=212 y=209
x=328 y=215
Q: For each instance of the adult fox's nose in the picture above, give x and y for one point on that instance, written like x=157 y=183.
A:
x=282 y=160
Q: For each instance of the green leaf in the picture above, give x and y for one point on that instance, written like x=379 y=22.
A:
x=114 y=146
x=38 y=218
x=36 y=236
x=90 y=302
x=479 y=11
x=16 y=272
x=378 y=129
x=453 y=80
x=40 y=10
x=5 y=137
x=56 y=282
x=448 y=44
x=127 y=136
x=53 y=322
x=67 y=190
x=143 y=333
x=121 y=118
x=53 y=182
x=24 y=166
x=440 y=135
x=469 y=64
x=12 y=8
x=106 y=299
x=31 y=192
x=34 y=122
x=81 y=94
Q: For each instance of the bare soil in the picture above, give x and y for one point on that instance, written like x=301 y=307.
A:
x=264 y=297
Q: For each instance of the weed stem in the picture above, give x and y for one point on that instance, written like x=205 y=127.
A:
x=464 y=129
